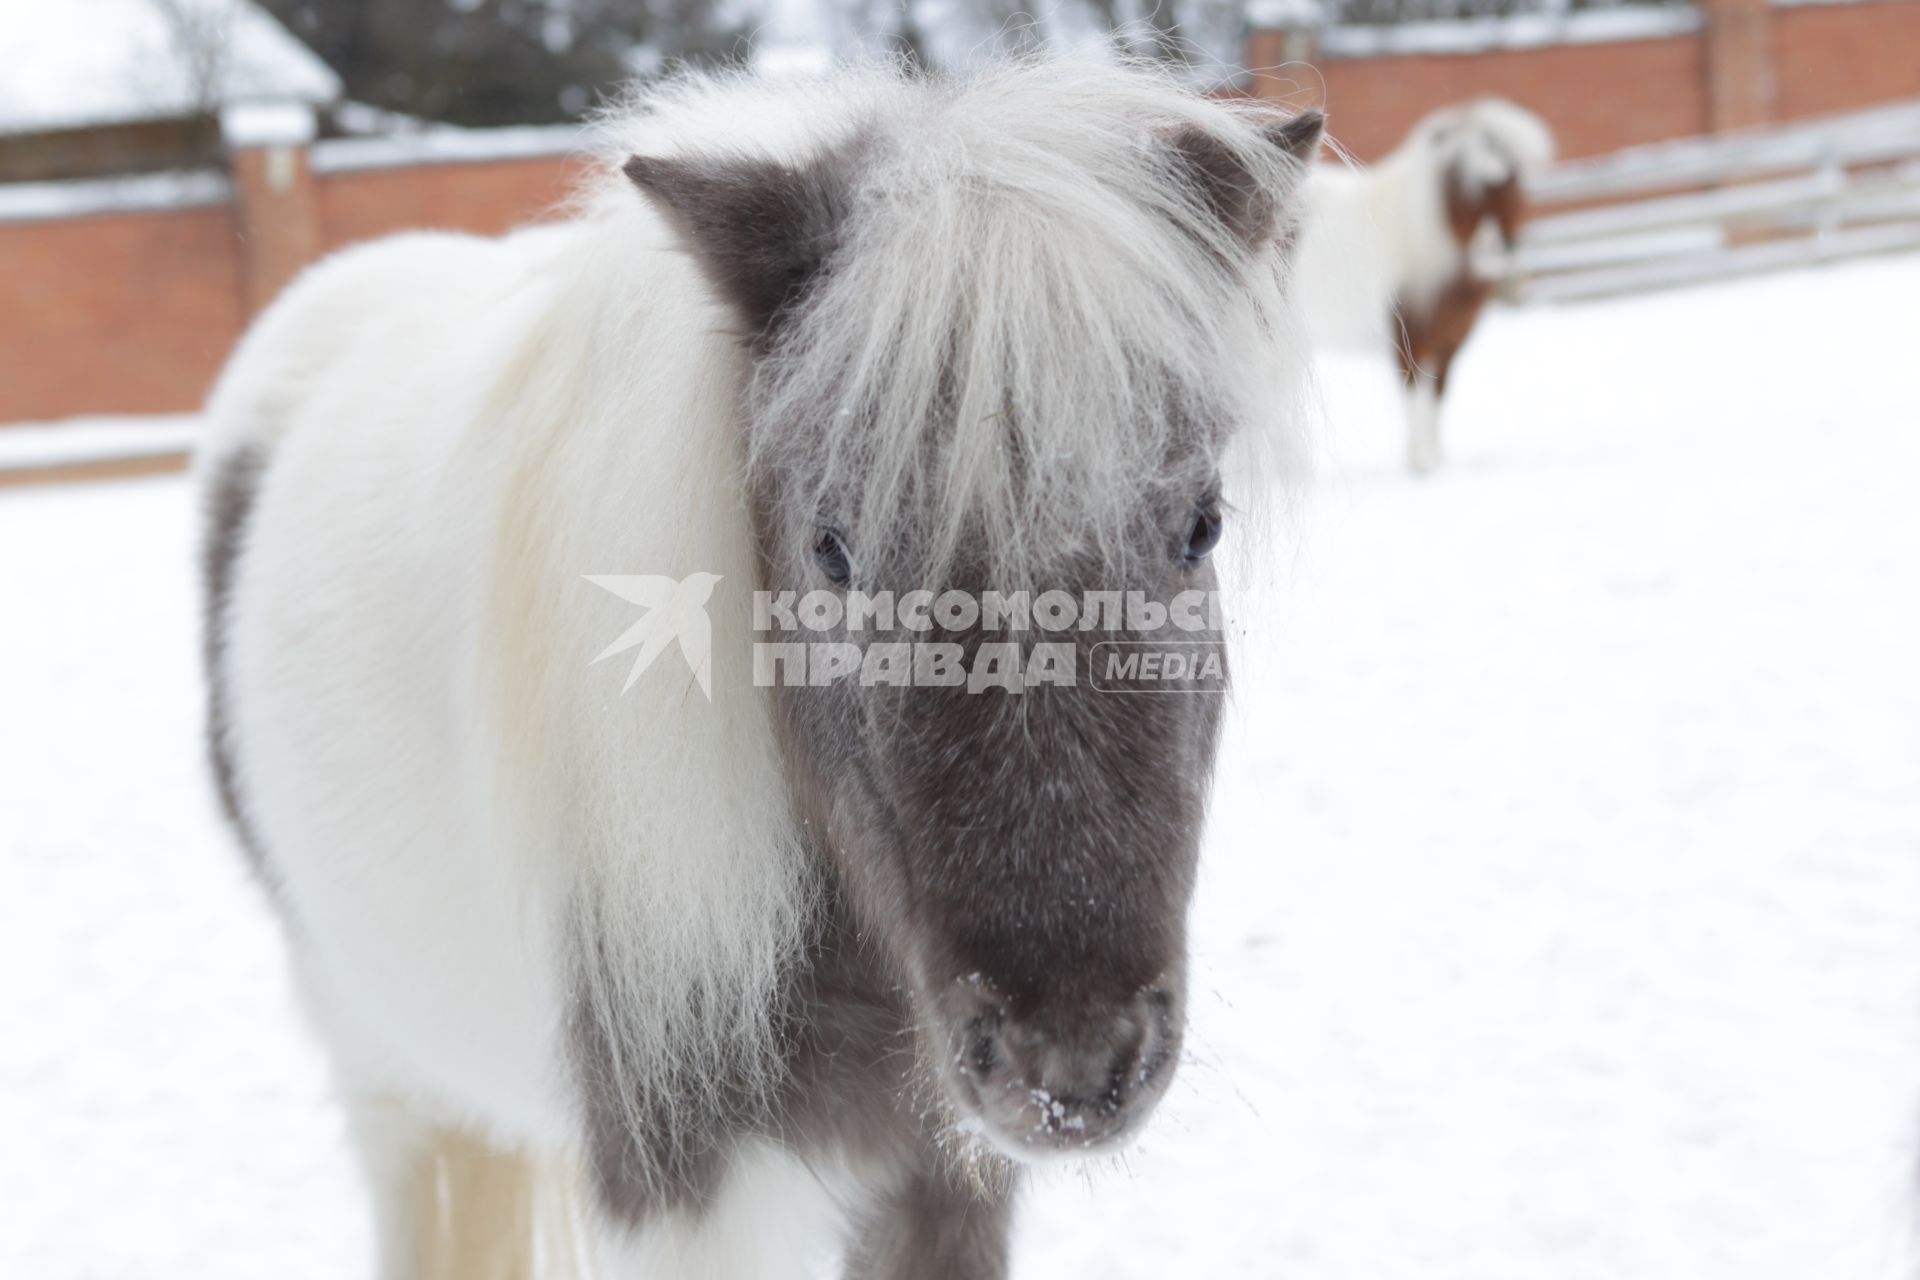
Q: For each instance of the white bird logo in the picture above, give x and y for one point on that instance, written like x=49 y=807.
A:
x=675 y=610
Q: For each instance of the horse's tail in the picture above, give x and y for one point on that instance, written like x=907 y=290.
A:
x=492 y=1214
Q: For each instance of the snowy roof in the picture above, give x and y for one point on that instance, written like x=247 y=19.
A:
x=79 y=62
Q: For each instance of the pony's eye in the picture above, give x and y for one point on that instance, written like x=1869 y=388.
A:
x=830 y=553
x=1203 y=535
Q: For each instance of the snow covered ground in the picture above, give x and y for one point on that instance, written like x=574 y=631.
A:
x=1562 y=908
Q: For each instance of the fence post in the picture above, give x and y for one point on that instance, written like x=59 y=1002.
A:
x=1279 y=56
x=1739 y=63
x=276 y=209
x=1831 y=213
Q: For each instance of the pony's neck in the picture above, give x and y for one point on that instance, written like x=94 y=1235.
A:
x=659 y=815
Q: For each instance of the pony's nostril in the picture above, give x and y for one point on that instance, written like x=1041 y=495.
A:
x=1122 y=1073
x=1156 y=1048
x=977 y=1027
x=978 y=1045
x=983 y=1047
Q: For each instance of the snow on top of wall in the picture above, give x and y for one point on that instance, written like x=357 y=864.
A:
x=1478 y=35
x=71 y=63
x=1285 y=13
x=79 y=441
x=37 y=201
x=1519 y=31
x=445 y=144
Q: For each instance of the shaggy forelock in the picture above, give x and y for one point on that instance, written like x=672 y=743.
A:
x=1032 y=319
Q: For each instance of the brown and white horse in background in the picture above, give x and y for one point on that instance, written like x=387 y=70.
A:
x=1410 y=250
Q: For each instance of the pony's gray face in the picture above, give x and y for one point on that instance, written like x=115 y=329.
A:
x=1023 y=856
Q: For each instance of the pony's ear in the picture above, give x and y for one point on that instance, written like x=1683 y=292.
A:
x=1247 y=209
x=760 y=231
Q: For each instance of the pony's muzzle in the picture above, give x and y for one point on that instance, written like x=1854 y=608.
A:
x=1042 y=1085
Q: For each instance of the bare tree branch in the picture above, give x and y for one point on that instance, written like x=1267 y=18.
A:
x=201 y=32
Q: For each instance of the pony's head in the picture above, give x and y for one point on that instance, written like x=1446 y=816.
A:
x=1004 y=331
x=1486 y=151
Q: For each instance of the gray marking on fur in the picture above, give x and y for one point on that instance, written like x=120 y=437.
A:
x=229 y=508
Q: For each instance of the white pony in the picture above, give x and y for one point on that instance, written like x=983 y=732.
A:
x=769 y=967
x=1407 y=252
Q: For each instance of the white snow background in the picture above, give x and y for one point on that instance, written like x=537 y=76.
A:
x=1561 y=907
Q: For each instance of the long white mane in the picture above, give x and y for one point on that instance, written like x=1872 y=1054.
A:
x=1030 y=299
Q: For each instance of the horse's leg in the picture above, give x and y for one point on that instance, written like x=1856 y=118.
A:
x=1458 y=311
x=1442 y=366
x=392 y=1139
x=934 y=1227
x=1423 y=423
x=445 y=1204
x=765 y=1216
x=920 y=1209
x=396 y=1148
x=1413 y=353
x=448 y=1206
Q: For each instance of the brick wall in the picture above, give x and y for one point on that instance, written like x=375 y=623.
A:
x=115 y=313
x=133 y=312
x=1751 y=63
x=1597 y=97
x=1842 y=57
x=483 y=198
